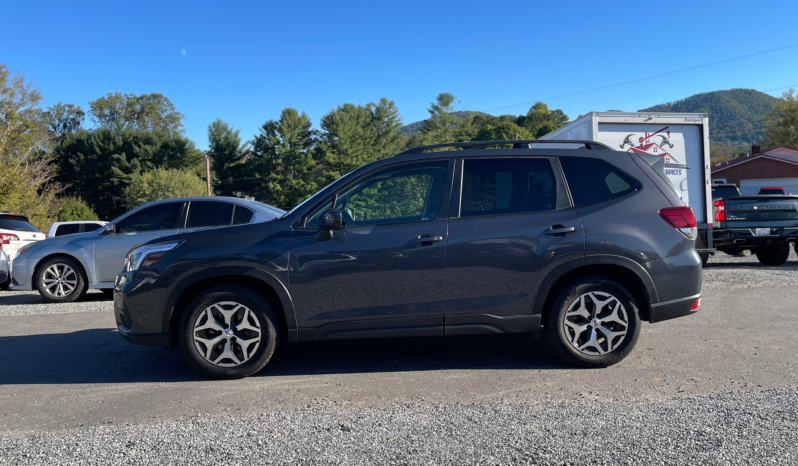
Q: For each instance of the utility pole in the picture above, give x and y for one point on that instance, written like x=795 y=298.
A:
x=208 y=172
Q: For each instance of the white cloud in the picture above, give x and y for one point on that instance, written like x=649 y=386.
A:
x=183 y=51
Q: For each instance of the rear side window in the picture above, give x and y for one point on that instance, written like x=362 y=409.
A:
x=69 y=229
x=242 y=215
x=91 y=226
x=594 y=180
x=507 y=186
x=209 y=214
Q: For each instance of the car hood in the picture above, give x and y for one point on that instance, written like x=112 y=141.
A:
x=46 y=246
x=261 y=228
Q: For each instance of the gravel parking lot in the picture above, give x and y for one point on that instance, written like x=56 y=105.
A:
x=715 y=388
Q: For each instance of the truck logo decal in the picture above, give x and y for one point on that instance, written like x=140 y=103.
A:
x=655 y=148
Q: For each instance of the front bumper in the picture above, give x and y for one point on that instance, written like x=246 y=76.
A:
x=22 y=273
x=130 y=324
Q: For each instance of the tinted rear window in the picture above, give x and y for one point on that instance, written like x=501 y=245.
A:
x=242 y=215
x=507 y=186
x=15 y=225
x=594 y=180
x=69 y=229
x=209 y=214
x=724 y=191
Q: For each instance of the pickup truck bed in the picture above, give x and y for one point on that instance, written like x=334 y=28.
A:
x=765 y=224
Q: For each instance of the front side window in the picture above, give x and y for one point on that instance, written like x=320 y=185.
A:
x=209 y=214
x=594 y=180
x=158 y=217
x=91 y=226
x=507 y=186
x=408 y=193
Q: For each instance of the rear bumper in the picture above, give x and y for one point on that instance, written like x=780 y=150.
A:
x=673 y=309
x=745 y=237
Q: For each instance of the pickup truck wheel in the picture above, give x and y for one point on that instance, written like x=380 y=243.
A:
x=61 y=280
x=593 y=322
x=228 y=332
x=775 y=255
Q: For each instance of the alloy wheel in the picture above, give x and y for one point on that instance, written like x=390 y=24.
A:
x=60 y=280
x=596 y=323
x=227 y=333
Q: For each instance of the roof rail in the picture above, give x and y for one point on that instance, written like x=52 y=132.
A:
x=522 y=144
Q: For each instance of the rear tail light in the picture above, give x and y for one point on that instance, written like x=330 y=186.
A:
x=682 y=218
x=696 y=304
x=720 y=210
x=7 y=239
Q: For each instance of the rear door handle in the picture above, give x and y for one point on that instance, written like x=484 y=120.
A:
x=426 y=238
x=559 y=230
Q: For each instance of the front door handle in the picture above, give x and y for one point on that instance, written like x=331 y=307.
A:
x=426 y=238
x=559 y=230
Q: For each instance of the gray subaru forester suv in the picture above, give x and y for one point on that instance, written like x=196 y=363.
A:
x=568 y=237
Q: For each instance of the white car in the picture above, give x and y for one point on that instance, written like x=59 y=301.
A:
x=16 y=232
x=5 y=266
x=74 y=227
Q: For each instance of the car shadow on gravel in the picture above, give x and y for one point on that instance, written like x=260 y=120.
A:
x=102 y=356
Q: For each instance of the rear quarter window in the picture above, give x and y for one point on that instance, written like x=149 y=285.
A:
x=594 y=180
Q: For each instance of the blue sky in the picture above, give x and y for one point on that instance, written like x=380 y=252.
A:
x=244 y=62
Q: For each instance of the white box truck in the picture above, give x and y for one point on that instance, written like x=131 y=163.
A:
x=682 y=139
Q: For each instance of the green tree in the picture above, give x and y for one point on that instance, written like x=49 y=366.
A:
x=539 y=120
x=163 y=183
x=440 y=127
x=74 y=208
x=149 y=112
x=99 y=164
x=355 y=135
x=504 y=130
x=782 y=122
x=63 y=119
x=227 y=154
x=26 y=171
x=285 y=171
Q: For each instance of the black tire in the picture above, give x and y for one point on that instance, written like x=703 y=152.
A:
x=261 y=310
x=4 y=286
x=80 y=282
x=775 y=255
x=559 y=336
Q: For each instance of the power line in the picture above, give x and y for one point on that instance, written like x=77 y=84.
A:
x=780 y=88
x=646 y=78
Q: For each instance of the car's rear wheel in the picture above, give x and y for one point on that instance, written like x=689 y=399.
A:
x=228 y=332
x=593 y=322
x=775 y=255
x=61 y=280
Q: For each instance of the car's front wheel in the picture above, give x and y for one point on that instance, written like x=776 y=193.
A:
x=61 y=280
x=228 y=332
x=593 y=322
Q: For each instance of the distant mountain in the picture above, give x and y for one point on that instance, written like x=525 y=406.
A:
x=413 y=128
x=735 y=116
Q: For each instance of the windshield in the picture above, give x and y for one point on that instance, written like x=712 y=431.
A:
x=15 y=225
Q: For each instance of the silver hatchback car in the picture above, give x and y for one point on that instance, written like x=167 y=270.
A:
x=63 y=269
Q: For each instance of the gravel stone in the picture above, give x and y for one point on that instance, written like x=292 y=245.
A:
x=732 y=272
x=739 y=428
x=20 y=303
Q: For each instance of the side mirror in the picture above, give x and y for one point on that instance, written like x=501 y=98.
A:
x=328 y=222
x=109 y=228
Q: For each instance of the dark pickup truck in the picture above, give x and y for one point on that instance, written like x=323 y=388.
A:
x=764 y=224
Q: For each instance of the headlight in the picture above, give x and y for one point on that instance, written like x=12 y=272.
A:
x=147 y=255
x=24 y=249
